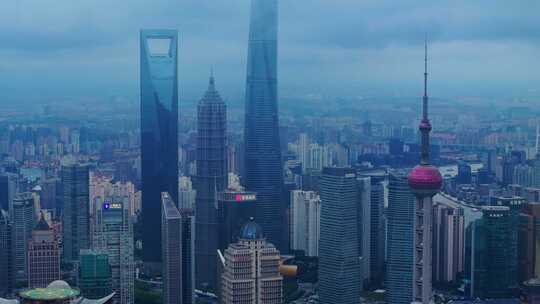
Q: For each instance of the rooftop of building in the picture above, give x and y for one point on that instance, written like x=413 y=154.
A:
x=57 y=290
x=252 y=231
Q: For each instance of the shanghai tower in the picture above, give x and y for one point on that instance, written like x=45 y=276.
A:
x=263 y=166
x=159 y=133
x=211 y=178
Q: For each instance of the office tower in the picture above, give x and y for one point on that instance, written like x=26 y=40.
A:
x=211 y=178
x=235 y=208
x=377 y=232
x=263 y=164
x=159 y=133
x=305 y=222
x=186 y=193
x=94 y=278
x=171 y=232
x=8 y=189
x=251 y=270
x=529 y=242
x=48 y=194
x=23 y=219
x=425 y=181
x=399 y=264
x=339 y=250
x=493 y=273
x=364 y=228
x=6 y=264
x=113 y=234
x=448 y=243
x=43 y=256
x=76 y=215
x=188 y=255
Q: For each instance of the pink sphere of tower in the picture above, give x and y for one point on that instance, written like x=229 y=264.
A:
x=425 y=180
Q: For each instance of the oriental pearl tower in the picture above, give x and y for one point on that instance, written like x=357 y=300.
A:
x=425 y=181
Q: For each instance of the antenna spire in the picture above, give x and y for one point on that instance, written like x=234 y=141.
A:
x=425 y=101
x=212 y=81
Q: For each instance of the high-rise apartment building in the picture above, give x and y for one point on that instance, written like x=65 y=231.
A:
x=493 y=273
x=251 y=270
x=210 y=180
x=399 y=264
x=305 y=222
x=6 y=263
x=263 y=163
x=24 y=220
x=43 y=256
x=76 y=215
x=339 y=248
x=113 y=235
x=448 y=243
x=171 y=232
x=159 y=133
x=94 y=279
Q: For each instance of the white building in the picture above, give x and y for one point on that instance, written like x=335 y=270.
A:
x=305 y=221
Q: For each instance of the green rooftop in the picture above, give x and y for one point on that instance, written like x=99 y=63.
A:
x=50 y=294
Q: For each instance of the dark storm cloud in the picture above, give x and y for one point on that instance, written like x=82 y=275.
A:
x=326 y=46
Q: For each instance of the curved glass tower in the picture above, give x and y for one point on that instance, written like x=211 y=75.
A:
x=159 y=131
x=263 y=172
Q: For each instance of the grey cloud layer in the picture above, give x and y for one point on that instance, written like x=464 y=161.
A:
x=327 y=46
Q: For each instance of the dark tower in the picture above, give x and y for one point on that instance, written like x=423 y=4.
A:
x=263 y=166
x=159 y=133
x=211 y=178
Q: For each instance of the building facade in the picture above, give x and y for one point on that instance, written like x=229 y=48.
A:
x=493 y=273
x=113 y=234
x=339 y=246
x=263 y=163
x=188 y=255
x=529 y=242
x=211 y=178
x=6 y=263
x=159 y=132
x=251 y=270
x=171 y=232
x=24 y=220
x=76 y=215
x=305 y=222
x=448 y=243
x=235 y=208
x=399 y=264
x=94 y=278
x=43 y=256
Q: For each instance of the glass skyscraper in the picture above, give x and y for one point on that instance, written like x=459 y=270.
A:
x=211 y=178
x=339 y=250
x=159 y=131
x=263 y=166
x=399 y=265
x=76 y=216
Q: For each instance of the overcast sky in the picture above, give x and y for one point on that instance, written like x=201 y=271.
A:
x=329 y=47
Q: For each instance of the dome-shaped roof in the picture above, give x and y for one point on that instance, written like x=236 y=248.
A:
x=59 y=284
x=425 y=179
x=251 y=231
